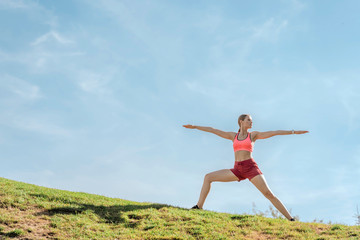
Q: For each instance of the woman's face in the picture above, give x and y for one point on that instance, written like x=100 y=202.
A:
x=247 y=122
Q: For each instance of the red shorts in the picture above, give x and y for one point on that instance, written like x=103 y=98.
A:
x=246 y=169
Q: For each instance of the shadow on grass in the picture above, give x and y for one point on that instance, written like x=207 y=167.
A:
x=111 y=214
x=12 y=234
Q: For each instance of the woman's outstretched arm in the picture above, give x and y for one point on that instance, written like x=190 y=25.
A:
x=264 y=135
x=226 y=135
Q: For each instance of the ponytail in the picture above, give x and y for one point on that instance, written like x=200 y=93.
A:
x=242 y=118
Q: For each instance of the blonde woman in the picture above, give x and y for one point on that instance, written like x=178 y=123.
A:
x=245 y=167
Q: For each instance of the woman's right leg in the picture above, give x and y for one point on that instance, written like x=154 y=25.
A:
x=224 y=175
x=261 y=184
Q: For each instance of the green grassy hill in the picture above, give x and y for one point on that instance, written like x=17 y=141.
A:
x=32 y=212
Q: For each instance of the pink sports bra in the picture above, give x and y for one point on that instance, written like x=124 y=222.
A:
x=245 y=144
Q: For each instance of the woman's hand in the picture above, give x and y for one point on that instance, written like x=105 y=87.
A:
x=263 y=135
x=300 y=132
x=189 y=126
x=227 y=135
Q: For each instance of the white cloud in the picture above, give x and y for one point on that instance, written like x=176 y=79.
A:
x=11 y=4
x=32 y=8
x=16 y=94
x=51 y=52
x=220 y=80
x=28 y=92
x=93 y=82
x=269 y=30
x=297 y=6
x=97 y=82
x=120 y=12
x=20 y=88
x=51 y=36
x=35 y=123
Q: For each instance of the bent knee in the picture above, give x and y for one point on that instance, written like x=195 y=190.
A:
x=208 y=178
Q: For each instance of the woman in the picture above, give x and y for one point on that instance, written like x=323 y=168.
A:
x=245 y=166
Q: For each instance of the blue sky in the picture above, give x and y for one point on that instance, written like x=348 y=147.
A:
x=93 y=96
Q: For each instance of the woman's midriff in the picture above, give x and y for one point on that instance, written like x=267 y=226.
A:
x=242 y=155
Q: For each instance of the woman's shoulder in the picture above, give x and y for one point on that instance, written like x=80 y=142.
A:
x=253 y=135
x=233 y=135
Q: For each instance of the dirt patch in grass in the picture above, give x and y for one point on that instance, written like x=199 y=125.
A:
x=28 y=224
x=321 y=229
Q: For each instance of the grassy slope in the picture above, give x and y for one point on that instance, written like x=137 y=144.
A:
x=33 y=212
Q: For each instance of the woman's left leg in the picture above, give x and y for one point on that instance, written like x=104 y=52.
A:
x=225 y=175
x=260 y=182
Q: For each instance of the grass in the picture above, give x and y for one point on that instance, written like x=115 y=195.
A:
x=32 y=212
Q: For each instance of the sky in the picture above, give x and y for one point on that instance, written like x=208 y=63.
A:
x=93 y=96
